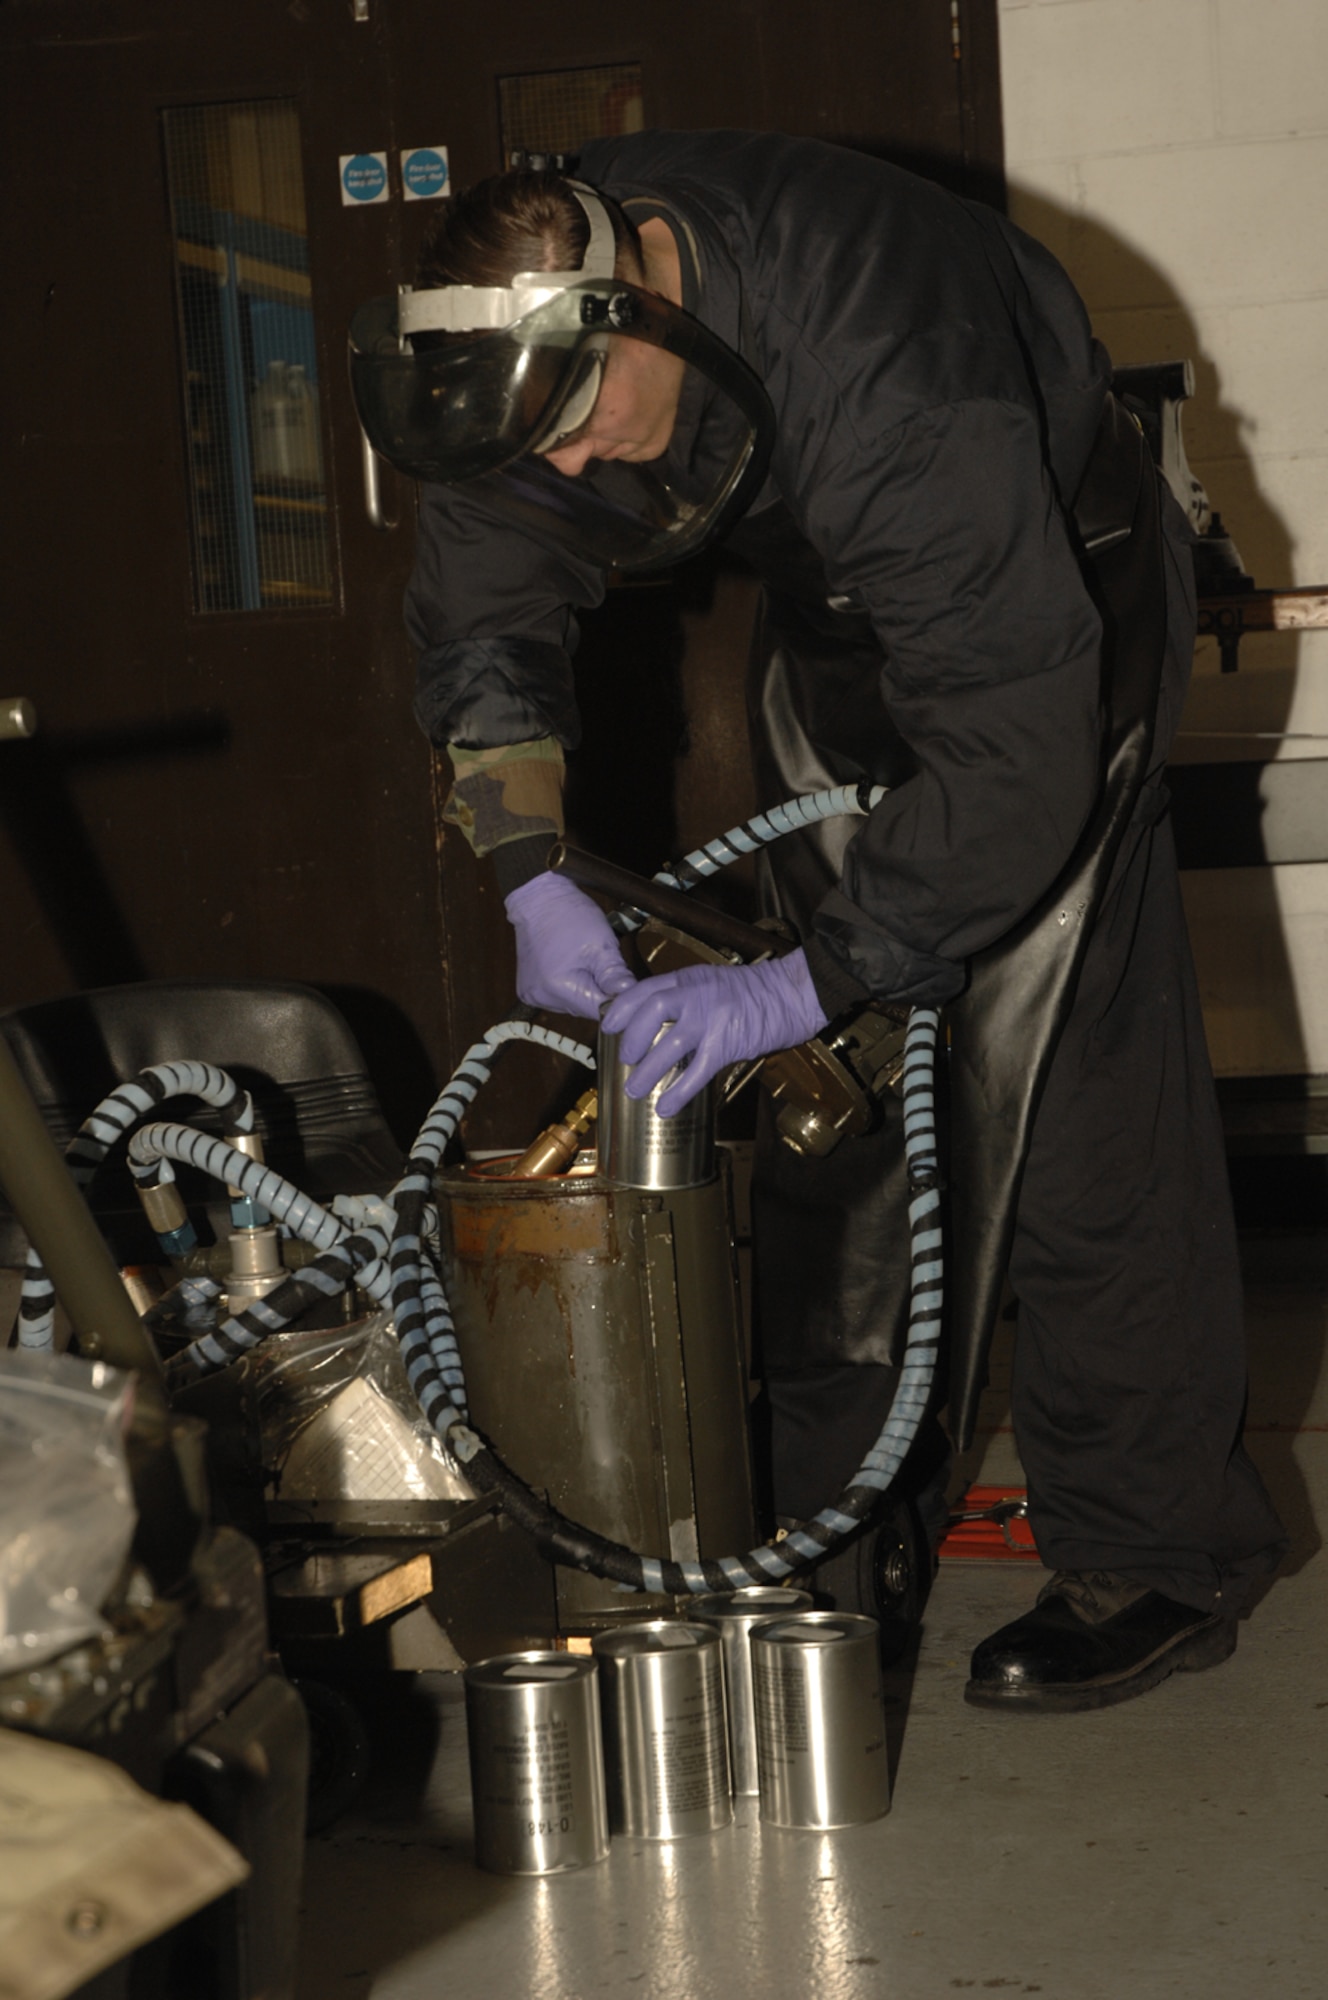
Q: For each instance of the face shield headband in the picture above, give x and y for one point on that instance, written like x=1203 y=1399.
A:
x=484 y=404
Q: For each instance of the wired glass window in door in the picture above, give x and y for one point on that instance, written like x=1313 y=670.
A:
x=556 y=111
x=258 y=501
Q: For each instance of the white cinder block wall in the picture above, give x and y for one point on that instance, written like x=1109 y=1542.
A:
x=1174 y=155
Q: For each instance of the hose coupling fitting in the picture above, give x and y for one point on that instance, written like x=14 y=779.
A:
x=559 y=1144
x=246 y=1213
x=167 y=1216
x=257 y=1266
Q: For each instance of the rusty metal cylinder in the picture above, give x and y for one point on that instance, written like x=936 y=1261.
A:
x=601 y=1340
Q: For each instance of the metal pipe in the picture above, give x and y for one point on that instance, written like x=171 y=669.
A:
x=699 y=920
x=56 y=1219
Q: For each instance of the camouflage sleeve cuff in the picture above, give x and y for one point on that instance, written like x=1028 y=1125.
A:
x=506 y=794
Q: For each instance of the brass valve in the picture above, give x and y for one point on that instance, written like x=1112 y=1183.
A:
x=558 y=1146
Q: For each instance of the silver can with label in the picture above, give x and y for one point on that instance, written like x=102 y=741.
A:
x=733 y=1614
x=665 y=1744
x=638 y=1148
x=536 y=1763
x=820 y=1724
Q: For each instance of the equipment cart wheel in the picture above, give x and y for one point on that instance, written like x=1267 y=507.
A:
x=885 y=1570
x=339 y=1754
x=901 y=1572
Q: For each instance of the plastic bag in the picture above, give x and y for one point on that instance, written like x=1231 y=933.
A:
x=66 y=1507
x=339 y=1420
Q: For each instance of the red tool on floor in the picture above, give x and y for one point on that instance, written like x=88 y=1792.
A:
x=990 y=1525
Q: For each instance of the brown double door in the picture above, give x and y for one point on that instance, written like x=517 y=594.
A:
x=227 y=781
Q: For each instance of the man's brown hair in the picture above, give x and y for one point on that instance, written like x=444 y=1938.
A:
x=518 y=221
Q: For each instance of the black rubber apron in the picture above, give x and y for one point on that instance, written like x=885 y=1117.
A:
x=831 y=1255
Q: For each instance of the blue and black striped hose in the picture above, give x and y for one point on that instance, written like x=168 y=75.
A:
x=580 y=1548
x=101 y=1130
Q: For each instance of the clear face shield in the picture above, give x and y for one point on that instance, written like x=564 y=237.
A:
x=600 y=418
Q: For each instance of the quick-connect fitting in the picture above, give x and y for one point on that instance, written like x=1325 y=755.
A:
x=216 y=1260
x=163 y=1205
x=256 y=1265
x=559 y=1144
x=247 y=1214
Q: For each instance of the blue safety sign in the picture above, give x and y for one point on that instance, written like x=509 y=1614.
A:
x=424 y=173
x=363 y=179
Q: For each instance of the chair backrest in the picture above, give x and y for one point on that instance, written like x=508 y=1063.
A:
x=317 y=1109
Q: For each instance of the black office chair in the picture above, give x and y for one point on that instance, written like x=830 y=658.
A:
x=316 y=1106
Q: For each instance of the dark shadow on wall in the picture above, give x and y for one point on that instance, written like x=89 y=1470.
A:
x=1140 y=314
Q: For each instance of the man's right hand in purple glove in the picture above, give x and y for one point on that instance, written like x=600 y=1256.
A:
x=708 y=1016
x=567 y=958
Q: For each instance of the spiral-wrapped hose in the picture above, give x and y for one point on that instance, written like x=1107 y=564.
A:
x=839 y=802
x=427 y=1336
x=100 y=1130
x=581 y=1548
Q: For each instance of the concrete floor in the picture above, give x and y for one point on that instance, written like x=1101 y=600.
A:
x=1175 y=1846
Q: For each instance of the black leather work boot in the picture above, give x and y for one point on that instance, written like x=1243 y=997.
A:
x=1092 y=1639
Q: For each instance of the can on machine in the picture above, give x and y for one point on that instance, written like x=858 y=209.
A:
x=536 y=1763
x=733 y=1614
x=665 y=1744
x=638 y=1148
x=820 y=1723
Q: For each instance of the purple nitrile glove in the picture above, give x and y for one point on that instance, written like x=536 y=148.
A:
x=720 y=1014
x=567 y=958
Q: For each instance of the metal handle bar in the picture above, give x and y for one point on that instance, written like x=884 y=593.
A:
x=699 y=920
x=373 y=492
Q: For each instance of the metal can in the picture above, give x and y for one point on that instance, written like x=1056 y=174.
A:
x=536 y=1763
x=665 y=1745
x=820 y=1725
x=733 y=1614
x=638 y=1148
